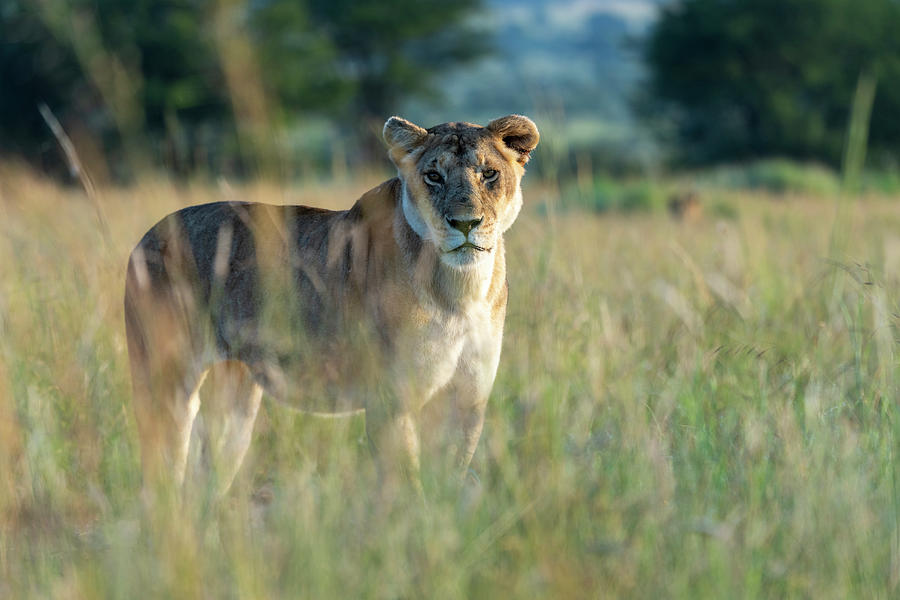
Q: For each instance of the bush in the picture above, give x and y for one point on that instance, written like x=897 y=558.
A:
x=641 y=196
x=882 y=182
x=605 y=194
x=778 y=176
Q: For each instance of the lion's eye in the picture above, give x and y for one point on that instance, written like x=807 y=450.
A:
x=434 y=177
x=489 y=175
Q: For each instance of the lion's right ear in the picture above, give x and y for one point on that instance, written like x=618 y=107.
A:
x=402 y=137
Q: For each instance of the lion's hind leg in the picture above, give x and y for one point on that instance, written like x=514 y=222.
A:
x=164 y=409
x=230 y=400
x=163 y=349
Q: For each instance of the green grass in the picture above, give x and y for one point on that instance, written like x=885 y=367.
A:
x=689 y=410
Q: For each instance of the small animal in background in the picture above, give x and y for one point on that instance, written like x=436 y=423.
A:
x=389 y=307
x=685 y=206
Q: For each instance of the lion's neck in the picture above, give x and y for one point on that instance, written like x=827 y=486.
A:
x=449 y=286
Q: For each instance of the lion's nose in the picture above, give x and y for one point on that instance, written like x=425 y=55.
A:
x=464 y=225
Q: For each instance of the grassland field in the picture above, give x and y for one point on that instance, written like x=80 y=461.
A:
x=700 y=409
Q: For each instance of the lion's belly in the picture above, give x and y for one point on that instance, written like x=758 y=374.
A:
x=314 y=385
x=316 y=373
x=338 y=378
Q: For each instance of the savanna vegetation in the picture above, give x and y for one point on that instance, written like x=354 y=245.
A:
x=685 y=408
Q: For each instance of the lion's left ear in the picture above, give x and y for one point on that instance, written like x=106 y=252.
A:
x=518 y=133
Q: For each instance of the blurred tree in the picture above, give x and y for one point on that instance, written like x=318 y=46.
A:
x=735 y=79
x=183 y=76
x=396 y=49
x=34 y=67
x=121 y=72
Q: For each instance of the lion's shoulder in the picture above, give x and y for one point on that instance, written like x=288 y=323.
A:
x=378 y=204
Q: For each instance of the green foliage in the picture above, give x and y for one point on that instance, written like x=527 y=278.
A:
x=34 y=67
x=398 y=49
x=777 y=176
x=643 y=196
x=737 y=79
x=723 y=209
x=185 y=76
x=885 y=182
x=602 y=194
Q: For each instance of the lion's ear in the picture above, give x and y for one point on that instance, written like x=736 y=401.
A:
x=402 y=136
x=518 y=133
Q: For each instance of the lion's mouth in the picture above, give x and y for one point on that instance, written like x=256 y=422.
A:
x=468 y=244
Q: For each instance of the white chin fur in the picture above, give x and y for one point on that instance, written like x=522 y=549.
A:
x=467 y=258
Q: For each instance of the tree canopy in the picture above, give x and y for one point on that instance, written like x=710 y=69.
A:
x=164 y=74
x=737 y=79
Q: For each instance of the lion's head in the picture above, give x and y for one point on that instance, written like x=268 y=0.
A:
x=461 y=181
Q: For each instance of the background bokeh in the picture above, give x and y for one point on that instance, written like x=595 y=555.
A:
x=288 y=88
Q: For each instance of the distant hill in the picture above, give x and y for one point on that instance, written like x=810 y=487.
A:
x=574 y=63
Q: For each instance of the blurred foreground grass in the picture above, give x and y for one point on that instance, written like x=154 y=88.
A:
x=683 y=409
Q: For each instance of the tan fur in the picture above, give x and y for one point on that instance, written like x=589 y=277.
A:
x=384 y=307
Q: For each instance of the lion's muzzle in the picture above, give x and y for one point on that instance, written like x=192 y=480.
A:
x=464 y=225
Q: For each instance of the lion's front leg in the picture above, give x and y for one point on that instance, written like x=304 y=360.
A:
x=394 y=440
x=470 y=418
x=469 y=391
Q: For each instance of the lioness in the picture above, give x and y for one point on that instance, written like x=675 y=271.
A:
x=379 y=308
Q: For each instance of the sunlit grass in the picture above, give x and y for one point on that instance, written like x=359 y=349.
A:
x=683 y=409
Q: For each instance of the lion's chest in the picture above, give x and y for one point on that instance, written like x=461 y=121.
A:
x=433 y=350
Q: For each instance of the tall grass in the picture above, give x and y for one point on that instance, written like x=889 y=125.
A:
x=682 y=410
